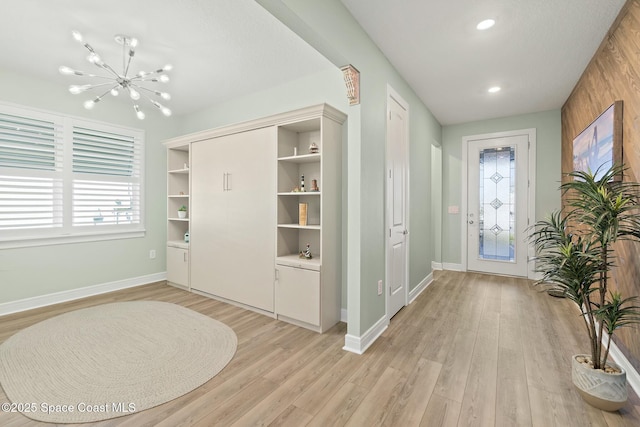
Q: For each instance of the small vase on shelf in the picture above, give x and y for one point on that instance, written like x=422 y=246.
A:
x=182 y=212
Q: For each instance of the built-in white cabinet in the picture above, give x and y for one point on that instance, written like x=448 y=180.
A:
x=178 y=265
x=298 y=291
x=243 y=188
x=308 y=290
x=178 y=197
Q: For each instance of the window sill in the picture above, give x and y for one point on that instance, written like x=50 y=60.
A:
x=36 y=241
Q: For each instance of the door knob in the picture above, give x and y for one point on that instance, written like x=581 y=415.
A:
x=471 y=221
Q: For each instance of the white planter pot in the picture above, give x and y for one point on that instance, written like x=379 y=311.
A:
x=600 y=389
x=182 y=214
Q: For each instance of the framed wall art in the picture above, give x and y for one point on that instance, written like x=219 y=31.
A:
x=599 y=146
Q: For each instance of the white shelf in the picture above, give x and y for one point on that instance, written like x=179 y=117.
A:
x=179 y=171
x=294 y=260
x=300 y=227
x=179 y=219
x=304 y=158
x=300 y=193
x=178 y=196
x=178 y=244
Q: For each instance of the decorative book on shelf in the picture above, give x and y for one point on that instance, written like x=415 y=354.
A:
x=302 y=214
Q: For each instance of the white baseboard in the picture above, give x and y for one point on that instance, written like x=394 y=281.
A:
x=436 y=265
x=73 y=294
x=452 y=267
x=633 y=377
x=343 y=315
x=359 y=345
x=413 y=294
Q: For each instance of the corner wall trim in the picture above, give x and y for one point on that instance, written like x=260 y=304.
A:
x=436 y=265
x=633 y=377
x=343 y=315
x=415 y=292
x=73 y=294
x=452 y=267
x=359 y=345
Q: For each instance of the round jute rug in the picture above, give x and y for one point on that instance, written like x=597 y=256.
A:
x=111 y=360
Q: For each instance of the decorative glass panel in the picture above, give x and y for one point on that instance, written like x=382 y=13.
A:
x=497 y=204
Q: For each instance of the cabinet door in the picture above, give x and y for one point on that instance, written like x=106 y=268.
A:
x=298 y=294
x=178 y=265
x=233 y=217
x=208 y=216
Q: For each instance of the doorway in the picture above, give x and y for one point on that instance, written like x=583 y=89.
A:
x=498 y=202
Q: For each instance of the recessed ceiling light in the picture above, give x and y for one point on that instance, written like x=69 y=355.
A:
x=494 y=89
x=486 y=24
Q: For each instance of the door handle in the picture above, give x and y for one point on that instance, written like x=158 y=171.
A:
x=471 y=221
x=405 y=232
x=226 y=182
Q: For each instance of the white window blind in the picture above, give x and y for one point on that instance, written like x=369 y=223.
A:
x=106 y=184
x=66 y=179
x=30 y=172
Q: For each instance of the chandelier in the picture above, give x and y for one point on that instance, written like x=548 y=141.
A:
x=115 y=82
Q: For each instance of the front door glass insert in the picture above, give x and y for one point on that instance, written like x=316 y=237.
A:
x=497 y=204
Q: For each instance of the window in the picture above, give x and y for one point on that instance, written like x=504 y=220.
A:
x=64 y=179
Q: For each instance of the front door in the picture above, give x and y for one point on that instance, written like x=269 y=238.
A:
x=397 y=173
x=497 y=204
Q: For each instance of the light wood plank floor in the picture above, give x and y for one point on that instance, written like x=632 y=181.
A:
x=471 y=350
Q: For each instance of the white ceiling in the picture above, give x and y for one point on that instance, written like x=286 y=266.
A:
x=536 y=51
x=219 y=49
x=222 y=49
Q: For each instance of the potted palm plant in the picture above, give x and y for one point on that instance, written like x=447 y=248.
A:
x=575 y=254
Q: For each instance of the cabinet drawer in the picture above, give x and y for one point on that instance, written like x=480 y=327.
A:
x=298 y=294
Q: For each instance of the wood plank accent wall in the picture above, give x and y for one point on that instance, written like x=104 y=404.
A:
x=613 y=74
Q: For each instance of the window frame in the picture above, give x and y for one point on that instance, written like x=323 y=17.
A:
x=68 y=233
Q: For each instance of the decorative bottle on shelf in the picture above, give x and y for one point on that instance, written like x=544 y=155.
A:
x=302 y=183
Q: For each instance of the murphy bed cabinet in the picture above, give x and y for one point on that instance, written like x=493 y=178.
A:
x=245 y=218
x=233 y=211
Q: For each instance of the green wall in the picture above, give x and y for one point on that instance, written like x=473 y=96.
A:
x=330 y=28
x=548 y=172
x=42 y=270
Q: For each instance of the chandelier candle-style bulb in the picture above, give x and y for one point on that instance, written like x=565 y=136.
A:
x=134 y=94
x=76 y=89
x=120 y=80
x=70 y=71
x=139 y=113
x=90 y=103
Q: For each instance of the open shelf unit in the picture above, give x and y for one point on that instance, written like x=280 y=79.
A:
x=292 y=236
x=308 y=290
x=178 y=186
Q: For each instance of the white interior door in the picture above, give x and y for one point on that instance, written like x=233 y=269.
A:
x=397 y=181
x=497 y=204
